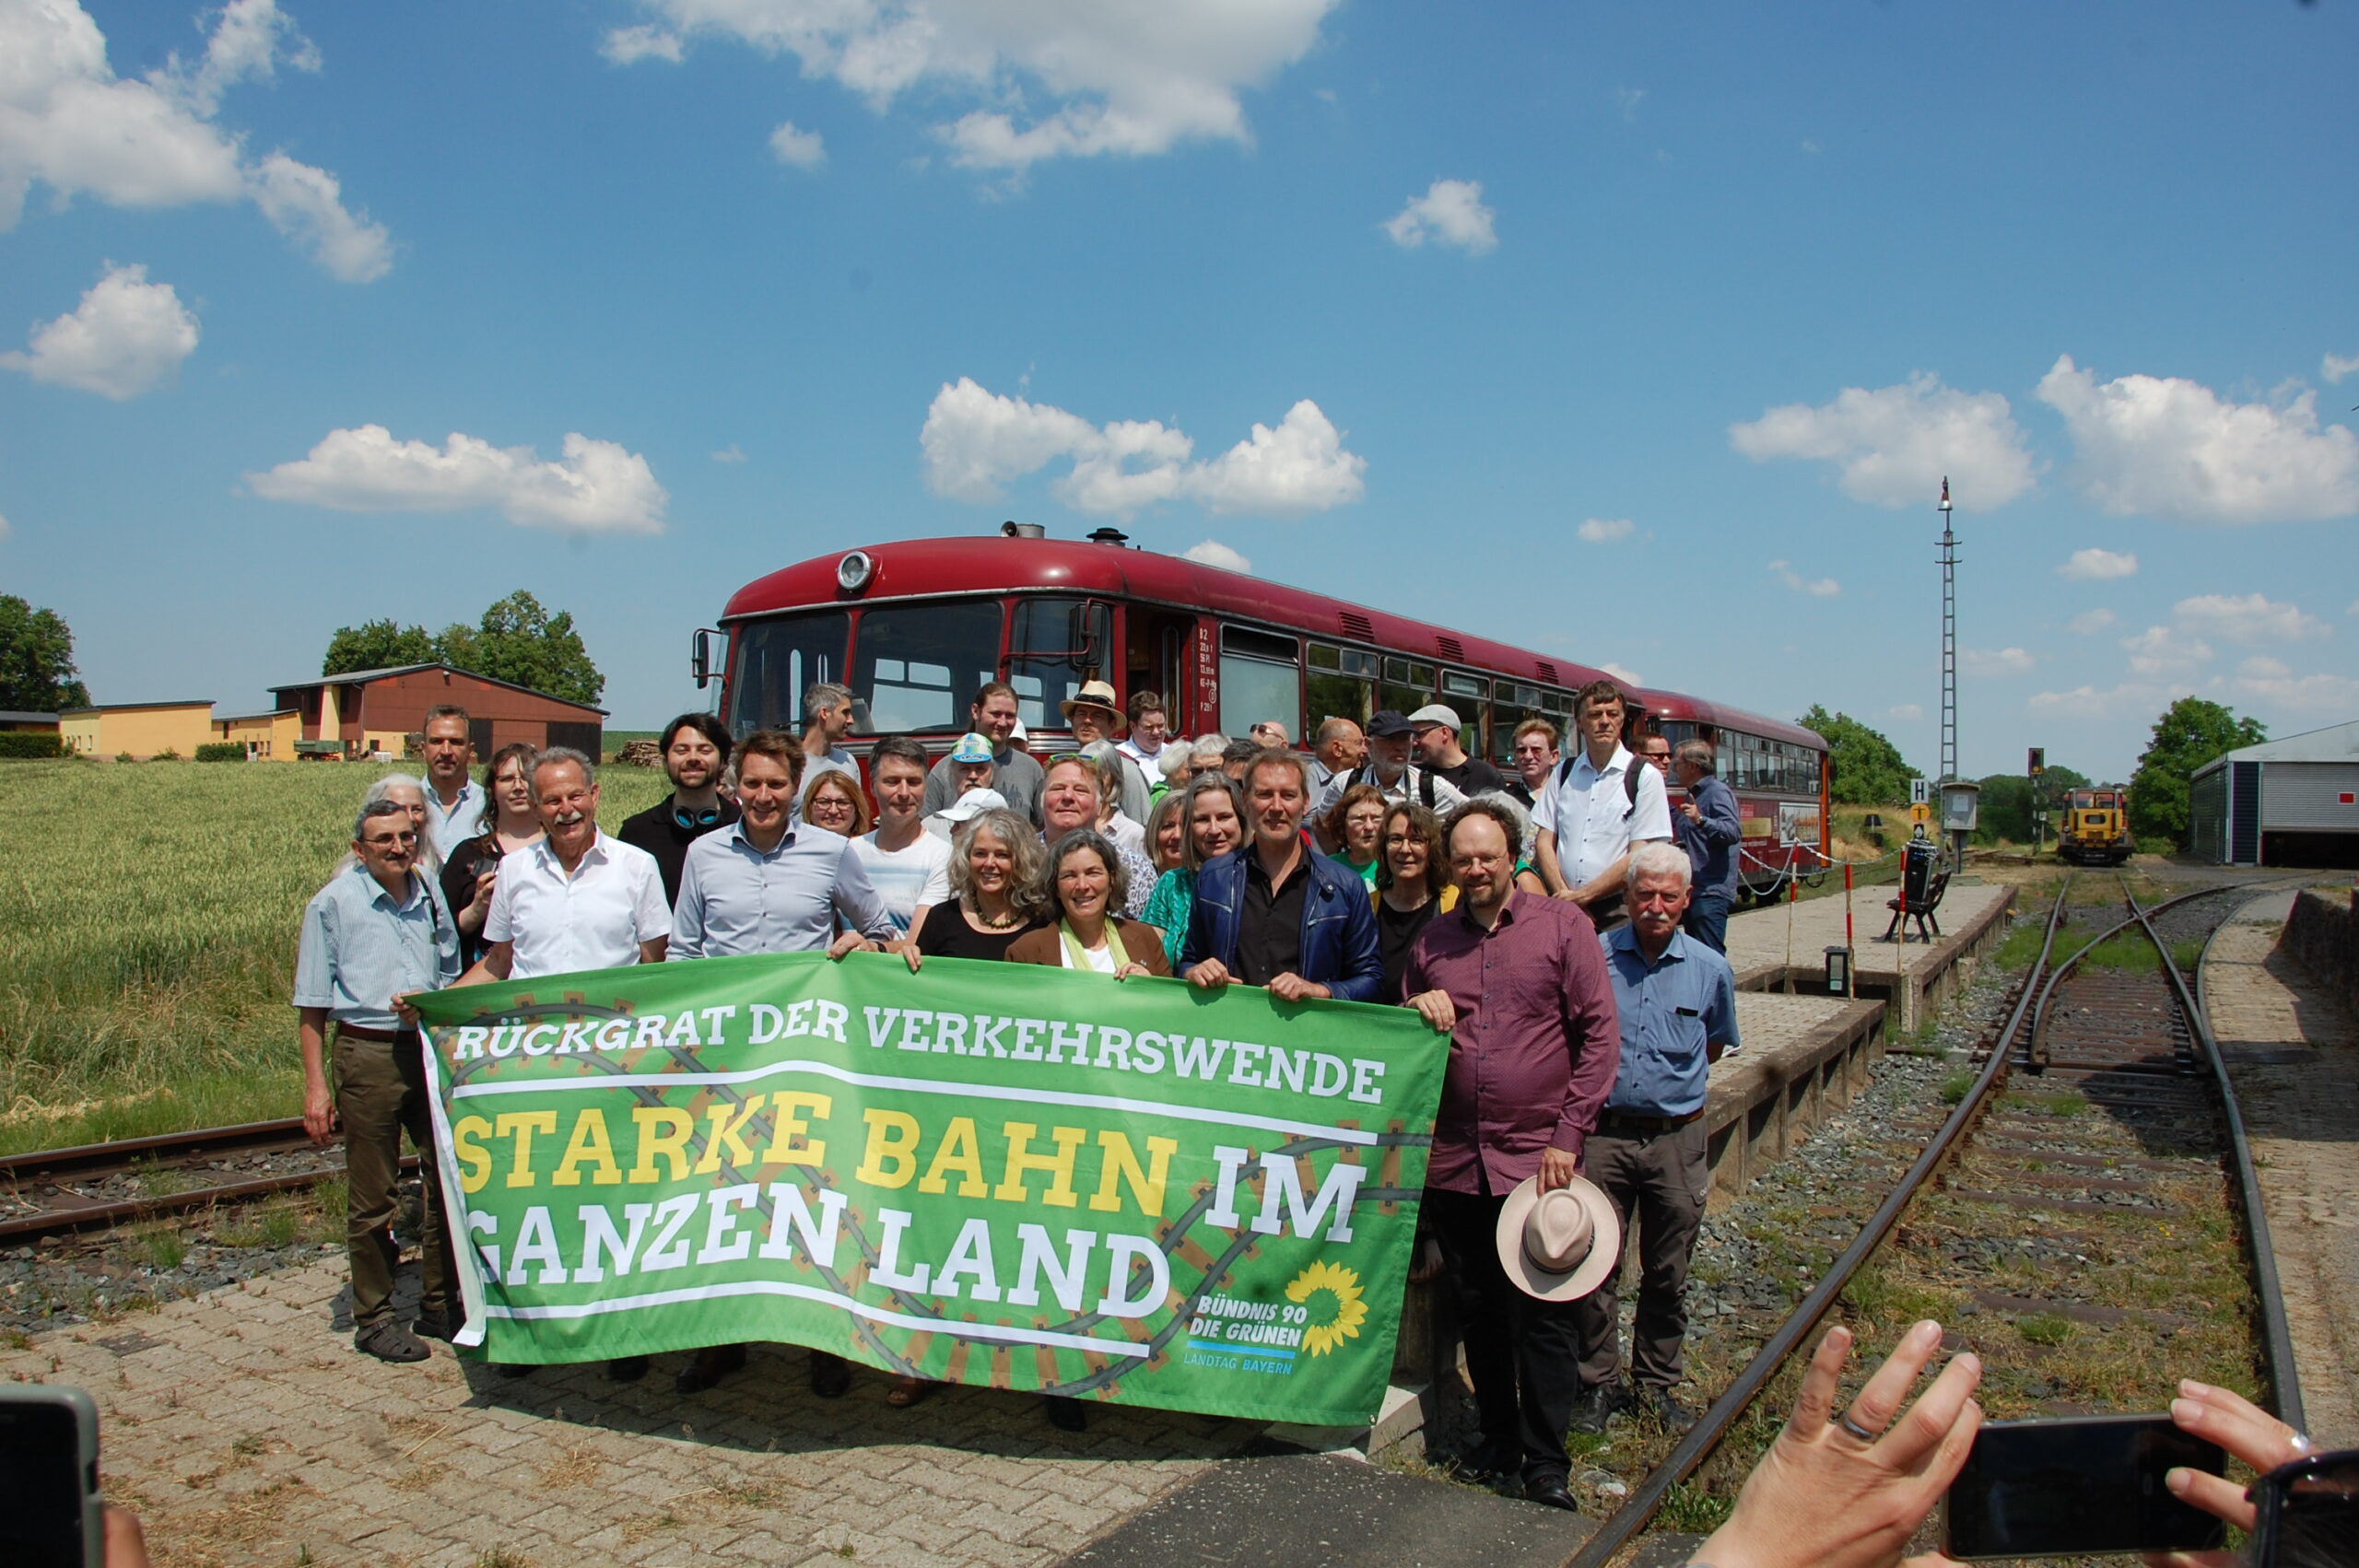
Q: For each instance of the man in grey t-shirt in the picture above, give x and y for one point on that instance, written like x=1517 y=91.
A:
x=1017 y=777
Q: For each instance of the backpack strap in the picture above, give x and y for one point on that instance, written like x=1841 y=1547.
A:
x=1630 y=782
x=1425 y=787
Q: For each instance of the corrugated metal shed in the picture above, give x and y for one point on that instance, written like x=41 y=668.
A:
x=2293 y=801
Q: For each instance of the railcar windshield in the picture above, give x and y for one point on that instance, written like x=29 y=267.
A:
x=919 y=666
x=776 y=660
x=1057 y=644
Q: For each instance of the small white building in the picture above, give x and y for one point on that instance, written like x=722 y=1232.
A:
x=2288 y=802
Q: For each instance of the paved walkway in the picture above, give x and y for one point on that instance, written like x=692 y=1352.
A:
x=2293 y=1056
x=1765 y=940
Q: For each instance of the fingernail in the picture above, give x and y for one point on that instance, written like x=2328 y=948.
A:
x=2179 y=1480
x=2193 y=1389
x=2184 y=1410
x=1926 y=1329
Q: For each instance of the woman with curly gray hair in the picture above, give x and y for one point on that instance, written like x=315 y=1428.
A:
x=994 y=874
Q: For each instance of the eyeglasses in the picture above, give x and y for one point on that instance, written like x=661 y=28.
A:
x=2309 y=1513
x=381 y=841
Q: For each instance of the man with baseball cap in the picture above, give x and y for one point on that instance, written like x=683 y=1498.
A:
x=1518 y=984
x=1389 y=769
x=1094 y=717
x=1433 y=729
x=1675 y=1001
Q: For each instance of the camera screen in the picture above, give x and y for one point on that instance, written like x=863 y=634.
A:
x=2051 y=1487
x=40 y=1495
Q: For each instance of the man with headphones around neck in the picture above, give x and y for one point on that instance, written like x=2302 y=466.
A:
x=695 y=751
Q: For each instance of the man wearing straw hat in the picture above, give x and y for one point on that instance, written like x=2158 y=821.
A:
x=1518 y=983
x=1676 y=1001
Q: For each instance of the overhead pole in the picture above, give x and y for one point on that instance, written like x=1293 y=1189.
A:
x=1949 y=655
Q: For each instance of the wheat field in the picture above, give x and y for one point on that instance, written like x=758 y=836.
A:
x=148 y=921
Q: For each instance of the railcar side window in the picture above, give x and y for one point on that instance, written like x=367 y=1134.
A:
x=1408 y=685
x=1058 y=644
x=919 y=666
x=1336 y=683
x=775 y=659
x=1261 y=677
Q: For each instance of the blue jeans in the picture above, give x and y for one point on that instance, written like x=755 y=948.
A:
x=1708 y=921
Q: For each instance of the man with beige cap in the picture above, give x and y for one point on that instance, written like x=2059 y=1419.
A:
x=1518 y=984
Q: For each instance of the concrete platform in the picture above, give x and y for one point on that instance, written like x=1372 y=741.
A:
x=1784 y=946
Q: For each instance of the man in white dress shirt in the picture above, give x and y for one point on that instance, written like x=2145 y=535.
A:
x=1594 y=809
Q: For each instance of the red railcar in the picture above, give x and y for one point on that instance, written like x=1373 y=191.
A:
x=914 y=628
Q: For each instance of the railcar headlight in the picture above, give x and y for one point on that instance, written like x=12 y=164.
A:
x=854 y=571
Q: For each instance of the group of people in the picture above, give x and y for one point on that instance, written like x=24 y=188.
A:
x=1558 y=928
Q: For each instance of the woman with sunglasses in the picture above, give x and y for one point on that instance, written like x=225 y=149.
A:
x=1211 y=814
x=470 y=873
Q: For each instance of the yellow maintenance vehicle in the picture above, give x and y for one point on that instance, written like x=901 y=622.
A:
x=2096 y=827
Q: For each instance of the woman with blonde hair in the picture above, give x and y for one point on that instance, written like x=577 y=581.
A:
x=1212 y=814
x=835 y=802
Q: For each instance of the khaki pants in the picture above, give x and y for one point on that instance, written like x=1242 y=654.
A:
x=381 y=1094
x=1659 y=1183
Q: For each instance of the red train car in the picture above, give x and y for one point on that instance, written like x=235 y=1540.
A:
x=914 y=628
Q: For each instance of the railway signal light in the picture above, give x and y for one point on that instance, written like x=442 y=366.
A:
x=2038 y=761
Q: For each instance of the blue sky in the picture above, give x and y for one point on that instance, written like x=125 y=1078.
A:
x=1640 y=335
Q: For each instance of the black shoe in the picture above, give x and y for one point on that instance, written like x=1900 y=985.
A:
x=1595 y=1405
x=1668 y=1412
x=1487 y=1464
x=626 y=1369
x=442 y=1324
x=1067 y=1414
x=830 y=1375
x=709 y=1367
x=389 y=1341
x=1549 y=1493
x=512 y=1370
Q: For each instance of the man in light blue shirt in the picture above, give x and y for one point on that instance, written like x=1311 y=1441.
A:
x=375 y=933
x=454 y=803
x=1676 y=1000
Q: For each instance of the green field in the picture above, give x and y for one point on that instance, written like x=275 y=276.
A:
x=150 y=913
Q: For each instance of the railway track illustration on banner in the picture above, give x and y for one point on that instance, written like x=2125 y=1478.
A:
x=2126 y=1042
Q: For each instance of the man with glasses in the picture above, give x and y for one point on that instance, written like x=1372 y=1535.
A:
x=1655 y=751
x=1015 y=775
x=1433 y=731
x=695 y=751
x=376 y=932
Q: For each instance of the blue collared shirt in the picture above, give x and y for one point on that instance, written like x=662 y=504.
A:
x=735 y=898
x=461 y=822
x=360 y=949
x=1670 y=1011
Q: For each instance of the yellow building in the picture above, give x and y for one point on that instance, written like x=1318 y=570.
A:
x=267 y=737
x=140 y=729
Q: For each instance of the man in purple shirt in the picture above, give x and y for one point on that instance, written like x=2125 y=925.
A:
x=1519 y=985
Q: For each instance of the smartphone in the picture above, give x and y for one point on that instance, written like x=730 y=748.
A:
x=51 y=1516
x=2078 y=1485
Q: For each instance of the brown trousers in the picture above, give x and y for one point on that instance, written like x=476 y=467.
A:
x=1660 y=1182
x=381 y=1094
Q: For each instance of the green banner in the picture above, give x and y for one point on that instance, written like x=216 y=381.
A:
x=1008 y=1176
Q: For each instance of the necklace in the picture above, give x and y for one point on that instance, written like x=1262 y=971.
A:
x=998 y=925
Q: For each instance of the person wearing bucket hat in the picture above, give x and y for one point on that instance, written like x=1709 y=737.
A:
x=1675 y=999
x=1093 y=717
x=1517 y=982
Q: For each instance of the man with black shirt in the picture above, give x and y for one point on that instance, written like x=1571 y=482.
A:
x=1017 y=776
x=1433 y=729
x=1275 y=912
x=696 y=749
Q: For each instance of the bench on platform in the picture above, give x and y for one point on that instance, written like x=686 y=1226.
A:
x=1920 y=911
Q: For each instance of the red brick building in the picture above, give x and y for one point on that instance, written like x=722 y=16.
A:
x=380 y=710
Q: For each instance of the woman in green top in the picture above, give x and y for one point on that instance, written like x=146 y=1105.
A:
x=1355 y=824
x=1215 y=814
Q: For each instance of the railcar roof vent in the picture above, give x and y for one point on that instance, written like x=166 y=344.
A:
x=1107 y=537
x=1014 y=530
x=1356 y=624
x=1450 y=648
x=1547 y=670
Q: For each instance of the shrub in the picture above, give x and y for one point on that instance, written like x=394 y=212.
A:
x=221 y=751
x=28 y=743
x=170 y=753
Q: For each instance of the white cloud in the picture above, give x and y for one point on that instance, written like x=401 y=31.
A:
x=1893 y=446
x=1623 y=673
x=976 y=441
x=597 y=489
x=1053 y=81
x=1606 y=530
x=2269 y=681
x=307 y=205
x=2247 y=620
x=69 y=123
x=797 y=148
x=2161 y=651
x=2093 y=565
x=1908 y=711
x=1449 y=213
x=1824 y=588
x=2166 y=447
x=2334 y=367
x=2130 y=698
x=2088 y=623
x=730 y=454
x=127 y=337
x=1212 y=553
x=1996 y=660
x=1628 y=99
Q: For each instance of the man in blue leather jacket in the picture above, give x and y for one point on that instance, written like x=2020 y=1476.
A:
x=1275 y=912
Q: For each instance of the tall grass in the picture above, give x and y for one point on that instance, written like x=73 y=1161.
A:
x=148 y=915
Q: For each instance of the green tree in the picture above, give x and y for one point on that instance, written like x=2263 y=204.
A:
x=1868 y=769
x=378 y=644
x=519 y=641
x=2005 y=807
x=2190 y=733
x=37 y=674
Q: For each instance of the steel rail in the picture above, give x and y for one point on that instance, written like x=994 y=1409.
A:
x=2277 y=1337
x=90 y=1216
x=1712 y=1426
x=124 y=1153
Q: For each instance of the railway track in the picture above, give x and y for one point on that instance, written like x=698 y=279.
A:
x=2100 y=1103
x=56 y=1192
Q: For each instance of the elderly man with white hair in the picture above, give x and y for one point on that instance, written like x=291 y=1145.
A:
x=1676 y=1002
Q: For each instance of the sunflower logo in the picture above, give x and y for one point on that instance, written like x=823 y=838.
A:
x=1336 y=1318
